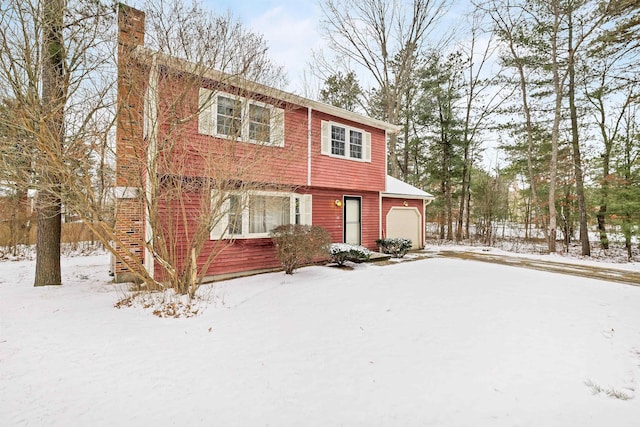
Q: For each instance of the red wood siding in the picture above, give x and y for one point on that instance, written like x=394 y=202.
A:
x=255 y=254
x=331 y=217
x=389 y=202
x=184 y=151
x=242 y=255
x=335 y=172
x=179 y=222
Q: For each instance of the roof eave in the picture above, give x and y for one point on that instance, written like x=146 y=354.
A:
x=143 y=54
x=407 y=196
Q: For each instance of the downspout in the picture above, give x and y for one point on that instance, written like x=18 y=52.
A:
x=424 y=222
x=386 y=155
x=151 y=118
x=309 y=110
x=380 y=236
x=386 y=173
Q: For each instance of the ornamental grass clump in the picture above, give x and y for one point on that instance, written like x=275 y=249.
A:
x=299 y=244
x=396 y=247
x=343 y=252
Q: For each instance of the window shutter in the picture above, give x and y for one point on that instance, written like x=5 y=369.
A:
x=305 y=210
x=277 y=127
x=220 y=214
x=326 y=137
x=206 y=106
x=366 y=147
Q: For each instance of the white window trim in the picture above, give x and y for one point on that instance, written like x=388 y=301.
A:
x=208 y=118
x=221 y=230
x=326 y=142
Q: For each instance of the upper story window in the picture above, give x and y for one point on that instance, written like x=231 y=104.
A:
x=355 y=144
x=231 y=117
x=259 y=123
x=344 y=141
x=338 y=140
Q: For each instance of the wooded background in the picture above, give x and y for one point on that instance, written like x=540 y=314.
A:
x=512 y=111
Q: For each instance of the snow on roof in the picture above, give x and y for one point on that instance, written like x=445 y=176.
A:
x=395 y=187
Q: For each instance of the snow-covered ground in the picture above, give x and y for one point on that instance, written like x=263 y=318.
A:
x=433 y=342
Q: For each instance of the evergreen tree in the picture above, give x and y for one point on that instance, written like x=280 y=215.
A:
x=342 y=91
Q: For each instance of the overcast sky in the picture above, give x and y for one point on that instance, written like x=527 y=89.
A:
x=290 y=28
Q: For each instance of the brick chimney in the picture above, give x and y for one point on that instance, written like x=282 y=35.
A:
x=130 y=145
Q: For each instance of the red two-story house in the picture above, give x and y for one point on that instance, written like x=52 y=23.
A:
x=314 y=163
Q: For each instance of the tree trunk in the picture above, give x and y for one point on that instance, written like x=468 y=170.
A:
x=394 y=168
x=49 y=223
x=446 y=171
x=463 y=194
x=405 y=151
x=575 y=142
x=49 y=218
x=606 y=165
x=627 y=236
x=468 y=211
x=392 y=116
x=443 y=190
x=602 y=229
x=530 y=144
x=527 y=218
x=555 y=131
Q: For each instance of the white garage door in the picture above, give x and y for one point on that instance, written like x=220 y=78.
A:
x=405 y=223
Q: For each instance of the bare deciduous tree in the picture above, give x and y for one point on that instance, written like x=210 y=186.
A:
x=384 y=37
x=482 y=98
x=186 y=188
x=509 y=22
x=51 y=57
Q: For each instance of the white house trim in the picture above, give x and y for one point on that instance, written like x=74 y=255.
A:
x=127 y=192
x=151 y=128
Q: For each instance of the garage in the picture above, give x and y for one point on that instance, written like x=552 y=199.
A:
x=403 y=212
x=406 y=223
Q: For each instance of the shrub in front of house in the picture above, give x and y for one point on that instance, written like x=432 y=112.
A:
x=299 y=244
x=343 y=252
x=396 y=247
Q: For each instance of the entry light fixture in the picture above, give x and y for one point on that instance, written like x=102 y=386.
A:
x=406 y=203
x=338 y=202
